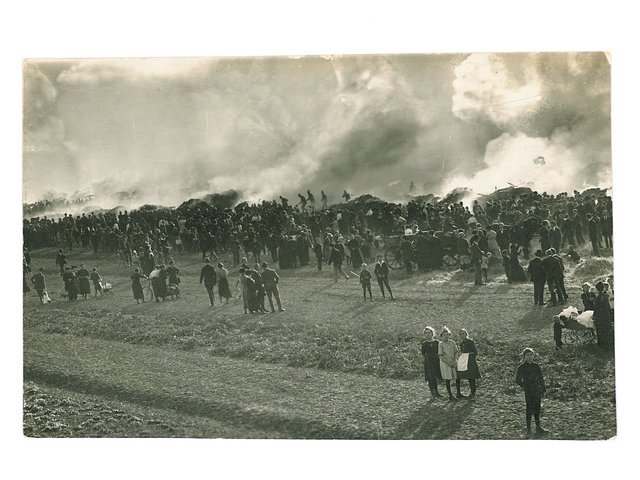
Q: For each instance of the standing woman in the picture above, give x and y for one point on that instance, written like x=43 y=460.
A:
x=448 y=353
x=468 y=354
x=429 y=349
x=70 y=283
x=172 y=272
x=602 y=318
x=223 y=283
x=241 y=285
x=83 y=281
x=138 y=294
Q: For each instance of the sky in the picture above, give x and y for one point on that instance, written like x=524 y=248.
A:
x=131 y=131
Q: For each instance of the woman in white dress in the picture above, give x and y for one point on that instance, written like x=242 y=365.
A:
x=448 y=353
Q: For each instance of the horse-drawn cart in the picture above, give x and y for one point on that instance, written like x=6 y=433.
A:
x=394 y=248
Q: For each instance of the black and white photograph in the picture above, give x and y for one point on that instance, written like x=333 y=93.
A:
x=295 y=247
x=319 y=240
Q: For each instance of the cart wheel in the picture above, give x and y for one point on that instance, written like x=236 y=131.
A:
x=148 y=293
x=450 y=260
x=393 y=257
x=572 y=337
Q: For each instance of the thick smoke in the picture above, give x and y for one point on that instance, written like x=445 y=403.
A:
x=160 y=131
x=554 y=106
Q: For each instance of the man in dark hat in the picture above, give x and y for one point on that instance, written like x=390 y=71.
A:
x=538 y=277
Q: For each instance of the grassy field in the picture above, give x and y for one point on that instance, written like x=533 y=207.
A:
x=331 y=366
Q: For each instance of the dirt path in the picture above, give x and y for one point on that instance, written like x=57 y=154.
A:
x=301 y=403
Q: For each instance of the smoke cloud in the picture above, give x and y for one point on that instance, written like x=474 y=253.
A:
x=161 y=131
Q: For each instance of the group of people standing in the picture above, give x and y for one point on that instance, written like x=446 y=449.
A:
x=446 y=360
x=257 y=283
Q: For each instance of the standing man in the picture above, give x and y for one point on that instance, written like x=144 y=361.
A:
x=311 y=199
x=381 y=271
x=317 y=249
x=562 y=291
x=208 y=274
x=324 y=199
x=538 y=277
x=593 y=234
x=555 y=236
x=607 y=229
x=270 y=279
x=476 y=259
x=61 y=261
x=336 y=258
x=260 y=289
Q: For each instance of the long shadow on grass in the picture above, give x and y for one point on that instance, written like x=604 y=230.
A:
x=294 y=427
x=466 y=295
x=435 y=420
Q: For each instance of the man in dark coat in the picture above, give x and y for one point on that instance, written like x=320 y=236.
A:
x=434 y=252
x=593 y=234
x=568 y=231
x=562 y=291
x=555 y=236
x=336 y=257
x=476 y=259
x=551 y=267
x=538 y=277
x=61 y=261
x=209 y=276
x=260 y=288
x=270 y=278
x=381 y=271
x=607 y=229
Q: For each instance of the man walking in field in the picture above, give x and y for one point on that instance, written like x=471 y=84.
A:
x=209 y=276
x=381 y=271
x=336 y=258
x=270 y=279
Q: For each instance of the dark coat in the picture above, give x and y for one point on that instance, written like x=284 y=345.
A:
x=431 y=360
x=469 y=346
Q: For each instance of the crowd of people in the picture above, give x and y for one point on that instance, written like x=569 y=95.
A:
x=499 y=228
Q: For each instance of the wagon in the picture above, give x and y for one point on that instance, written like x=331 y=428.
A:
x=393 y=251
x=577 y=329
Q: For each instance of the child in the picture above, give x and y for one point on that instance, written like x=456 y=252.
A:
x=557 y=331
x=365 y=281
x=484 y=266
x=573 y=255
x=471 y=372
x=429 y=350
x=448 y=353
x=529 y=377
x=97 y=281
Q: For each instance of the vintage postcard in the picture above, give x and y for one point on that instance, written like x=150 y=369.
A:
x=411 y=246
